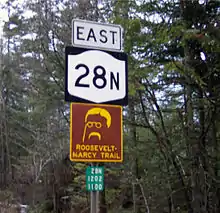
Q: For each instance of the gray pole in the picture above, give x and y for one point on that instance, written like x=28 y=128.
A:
x=97 y=201
x=94 y=200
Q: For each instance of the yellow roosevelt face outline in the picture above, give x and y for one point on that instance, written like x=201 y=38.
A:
x=96 y=111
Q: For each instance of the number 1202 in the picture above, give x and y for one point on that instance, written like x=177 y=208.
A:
x=99 y=79
x=95 y=178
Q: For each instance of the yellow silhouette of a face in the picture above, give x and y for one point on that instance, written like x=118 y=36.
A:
x=89 y=124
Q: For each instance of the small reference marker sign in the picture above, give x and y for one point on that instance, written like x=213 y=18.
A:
x=94 y=178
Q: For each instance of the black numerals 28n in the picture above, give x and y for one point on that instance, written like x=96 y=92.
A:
x=78 y=84
x=99 y=78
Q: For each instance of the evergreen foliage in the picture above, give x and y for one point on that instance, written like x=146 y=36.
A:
x=171 y=125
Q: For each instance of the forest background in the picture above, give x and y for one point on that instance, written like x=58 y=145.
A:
x=171 y=125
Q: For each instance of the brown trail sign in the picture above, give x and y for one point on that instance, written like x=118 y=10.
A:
x=96 y=133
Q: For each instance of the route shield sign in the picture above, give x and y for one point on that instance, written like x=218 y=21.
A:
x=96 y=133
x=96 y=76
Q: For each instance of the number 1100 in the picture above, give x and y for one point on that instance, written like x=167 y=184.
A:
x=95 y=187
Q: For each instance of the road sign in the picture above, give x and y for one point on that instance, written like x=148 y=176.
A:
x=96 y=35
x=95 y=76
x=96 y=133
x=94 y=178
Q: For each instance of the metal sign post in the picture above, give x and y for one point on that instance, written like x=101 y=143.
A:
x=94 y=198
x=94 y=202
x=96 y=81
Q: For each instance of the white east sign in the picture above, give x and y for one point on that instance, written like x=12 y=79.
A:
x=96 y=76
x=96 y=35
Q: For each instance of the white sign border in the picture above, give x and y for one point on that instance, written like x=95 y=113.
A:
x=97 y=23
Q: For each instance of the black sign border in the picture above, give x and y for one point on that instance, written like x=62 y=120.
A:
x=69 y=50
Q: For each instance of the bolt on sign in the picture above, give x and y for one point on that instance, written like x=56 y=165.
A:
x=96 y=133
x=94 y=178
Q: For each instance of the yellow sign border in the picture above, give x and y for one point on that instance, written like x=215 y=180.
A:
x=71 y=138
